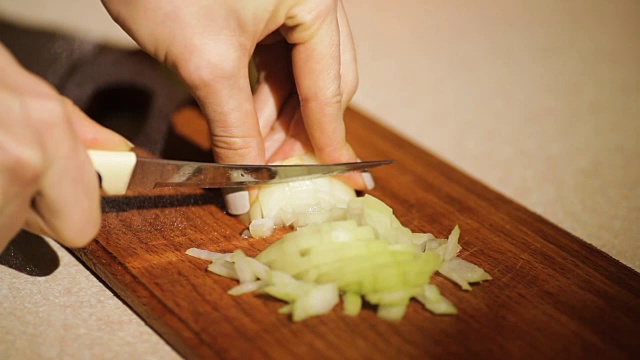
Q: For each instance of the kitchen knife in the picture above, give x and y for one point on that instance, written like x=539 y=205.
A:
x=122 y=170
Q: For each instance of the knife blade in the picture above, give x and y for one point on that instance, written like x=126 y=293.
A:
x=123 y=170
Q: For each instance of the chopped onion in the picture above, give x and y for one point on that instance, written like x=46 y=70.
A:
x=463 y=272
x=435 y=302
x=354 y=246
x=394 y=312
x=223 y=268
x=351 y=303
x=319 y=300
x=289 y=291
x=261 y=228
x=452 y=248
x=207 y=255
x=455 y=269
x=247 y=287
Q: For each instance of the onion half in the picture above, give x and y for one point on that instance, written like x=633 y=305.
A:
x=299 y=203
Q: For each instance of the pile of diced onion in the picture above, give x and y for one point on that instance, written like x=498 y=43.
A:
x=343 y=247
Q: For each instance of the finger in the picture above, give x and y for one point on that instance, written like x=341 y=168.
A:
x=295 y=141
x=275 y=83
x=281 y=128
x=221 y=86
x=219 y=79
x=350 y=80
x=14 y=206
x=93 y=135
x=293 y=145
x=316 y=68
x=66 y=206
x=348 y=60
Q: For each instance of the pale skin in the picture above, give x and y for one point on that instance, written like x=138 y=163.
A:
x=302 y=48
x=47 y=183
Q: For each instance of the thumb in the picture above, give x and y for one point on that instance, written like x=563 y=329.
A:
x=93 y=135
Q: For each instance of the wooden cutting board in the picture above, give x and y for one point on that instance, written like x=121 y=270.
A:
x=552 y=295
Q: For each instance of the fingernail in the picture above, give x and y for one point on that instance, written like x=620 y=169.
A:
x=131 y=145
x=237 y=201
x=368 y=180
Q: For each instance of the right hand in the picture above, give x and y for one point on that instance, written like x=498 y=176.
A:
x=47 y=182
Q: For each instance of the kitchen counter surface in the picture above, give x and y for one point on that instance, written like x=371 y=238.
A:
x=537 y=99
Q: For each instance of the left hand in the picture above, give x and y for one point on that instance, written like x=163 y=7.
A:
x=303 y=48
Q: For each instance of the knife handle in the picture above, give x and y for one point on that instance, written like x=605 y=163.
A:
x=114 y=169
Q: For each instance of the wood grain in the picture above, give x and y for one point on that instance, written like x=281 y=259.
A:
x=552 y=295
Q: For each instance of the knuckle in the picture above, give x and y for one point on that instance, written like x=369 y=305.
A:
x=45 y=114
x=201 y=71
x=332 y=98
x=333 y=148
x=22 y=152
x=28 y=169
x=308 y=17
x=315 y=10
x=233 y=149
x=50 y=114
x=25 y=166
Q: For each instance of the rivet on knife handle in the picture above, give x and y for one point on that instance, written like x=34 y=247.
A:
x=115 y=169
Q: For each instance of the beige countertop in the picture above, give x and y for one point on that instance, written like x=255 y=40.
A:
x=538 y=99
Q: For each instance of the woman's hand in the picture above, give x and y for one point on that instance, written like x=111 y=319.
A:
x=47 y=183
x=305 y=54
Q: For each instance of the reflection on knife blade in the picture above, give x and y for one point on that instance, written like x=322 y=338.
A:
x=122 y=170
x=154 y=173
